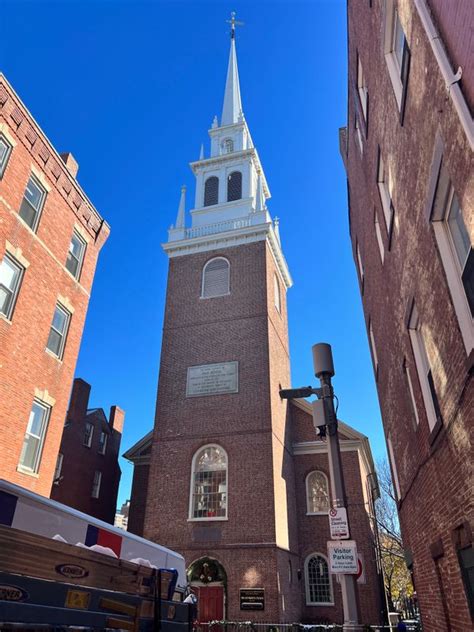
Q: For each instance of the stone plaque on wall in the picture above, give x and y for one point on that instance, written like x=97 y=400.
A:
x=212 y=379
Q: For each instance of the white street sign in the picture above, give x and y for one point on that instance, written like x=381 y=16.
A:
x=338 y=524
x=343 y=557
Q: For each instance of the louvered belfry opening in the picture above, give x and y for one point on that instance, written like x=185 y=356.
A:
x=215 y=281
x=234 y=186
x=211 y=191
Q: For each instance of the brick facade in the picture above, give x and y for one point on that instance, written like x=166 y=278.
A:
x=81 y=459
x=28 y=372
x=421 y=146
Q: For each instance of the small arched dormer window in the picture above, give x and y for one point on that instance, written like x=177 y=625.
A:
x=216 y=278
x=228 y=145
x=209 y=484
x=211 y=191
x=317 y=493
x=234 y=186
x=276 y=292
x=318 y=581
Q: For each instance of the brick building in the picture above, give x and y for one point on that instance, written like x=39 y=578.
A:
x=50 y=238
x=87 y=474
x=408 y=155
x=233 y=476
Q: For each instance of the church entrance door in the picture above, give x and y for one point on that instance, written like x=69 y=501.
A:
x=210 y=603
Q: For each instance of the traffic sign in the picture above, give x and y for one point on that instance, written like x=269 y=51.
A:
x=338 y=523
x=343 y=557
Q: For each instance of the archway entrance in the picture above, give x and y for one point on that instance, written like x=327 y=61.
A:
x=208 y=581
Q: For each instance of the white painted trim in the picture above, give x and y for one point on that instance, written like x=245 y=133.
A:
x=391 y=457
x=4 y=130
x=306 y=582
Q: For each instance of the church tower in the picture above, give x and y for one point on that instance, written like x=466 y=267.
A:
x=221 y=474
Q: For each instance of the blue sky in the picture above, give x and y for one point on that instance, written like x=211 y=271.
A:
x=130 y=88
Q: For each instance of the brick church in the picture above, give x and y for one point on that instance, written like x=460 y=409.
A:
x=232 y=476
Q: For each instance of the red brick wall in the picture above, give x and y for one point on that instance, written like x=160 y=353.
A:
x=136 y=514
x=434 y=471
x=24 y=363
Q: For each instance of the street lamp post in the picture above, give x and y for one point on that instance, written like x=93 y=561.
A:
x=325 y=422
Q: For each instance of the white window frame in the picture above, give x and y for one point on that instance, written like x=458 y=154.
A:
x=87 y=440
x=277 y=293
x=103 y=445
x=360 y=267
x=373 y=348
x=308 y=509
x=406 y=369
x=96 y=483
x=203 y=278
x=58 y=468
x=191 y=517
x=393 y=65
x=443 y=196
x=378 y=234
x=358 y=135
x=384 y=186
x=306 y=581
x=80 y=260
x=204 y=191
x=40 y=208
x=6 y=158
x=423 y=367
x=16 y=284
x=391 y=458
x=228 y=145
x=362 y=88
x=63 y=335
x=46 y=414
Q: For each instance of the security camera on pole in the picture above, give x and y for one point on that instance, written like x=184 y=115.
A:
x=342 y=554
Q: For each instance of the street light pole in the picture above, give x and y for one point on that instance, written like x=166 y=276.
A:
x=324 y=370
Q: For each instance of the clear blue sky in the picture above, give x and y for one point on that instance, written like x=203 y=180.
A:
x=130 y=88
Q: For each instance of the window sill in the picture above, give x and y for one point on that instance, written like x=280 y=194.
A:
x=75 y=279
x=23 y=470
x=27 y=226
x=206 y=298
x=53 y=355
x=317 y=513
x=5 y=319
x=216 y=519
x=325 y=603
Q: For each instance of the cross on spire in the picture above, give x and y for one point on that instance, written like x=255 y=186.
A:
x=233 y=23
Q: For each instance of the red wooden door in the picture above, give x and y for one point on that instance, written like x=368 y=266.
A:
x=210 y=603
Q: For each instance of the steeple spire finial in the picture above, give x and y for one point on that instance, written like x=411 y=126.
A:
x=181 y=209
x=232 y=102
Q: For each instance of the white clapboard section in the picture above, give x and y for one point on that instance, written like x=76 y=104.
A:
x=215 y=280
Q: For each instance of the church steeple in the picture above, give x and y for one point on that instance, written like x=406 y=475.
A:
x=232 y=108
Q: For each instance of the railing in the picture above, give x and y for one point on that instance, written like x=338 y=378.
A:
x=249 y=626
x=219 y=227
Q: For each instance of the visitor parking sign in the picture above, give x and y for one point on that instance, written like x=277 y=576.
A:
x=343 y=557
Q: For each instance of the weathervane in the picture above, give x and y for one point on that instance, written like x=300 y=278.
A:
x=233 y=23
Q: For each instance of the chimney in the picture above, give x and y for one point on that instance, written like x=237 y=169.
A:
x=79 y=401
x=116 y=418
x=71 y=163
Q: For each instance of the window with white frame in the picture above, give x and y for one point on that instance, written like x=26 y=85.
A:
x=378 y=234
x=234 y=186
x=33 y=202
x=209 y=484
x=216 y=278
x=276 y=293
x=88 y=434
x=59 y=467
x=10 y=278
x=102 y=442
x=75 y=255
x=456 y=251
x=5 y=151
x=317 y=493
x=358 y=134
x=373 y=348
x=397 y=54
x=211 y=191
x=228 y=145
x=96 y=484
x=35 y=434
x=362 y=88
x=58 y=331
x=384 y=184
x=318 y=581
x=360 y=267
x=406 y=371
x=393 y=465
x=425 y=375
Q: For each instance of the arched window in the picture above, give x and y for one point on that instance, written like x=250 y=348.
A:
x=234 y=186
x=276 y=291
x=209 y=484
x=317 y=493
x=211 y=191
x=216 y=278
x=228 y=145
x=318 y=581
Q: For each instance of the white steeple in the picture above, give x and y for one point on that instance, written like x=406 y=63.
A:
x=181 y=208
x=232 y=107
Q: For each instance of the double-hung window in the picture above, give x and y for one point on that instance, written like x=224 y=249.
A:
x=425 y=375
x=58 y=331
x=32 y=203
x=75 y=255
x=5 y=151
x=102 y=443
x=34 y=437
x=96 y=484
x=59 y=467
x=397 y=54
x=384 y=185
x=88 y=434
x=378 y=234
x=10 y=278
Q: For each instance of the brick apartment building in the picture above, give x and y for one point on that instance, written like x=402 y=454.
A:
x=233 y=476
x=87 y=474
x=408 y=155
x=50 y=238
